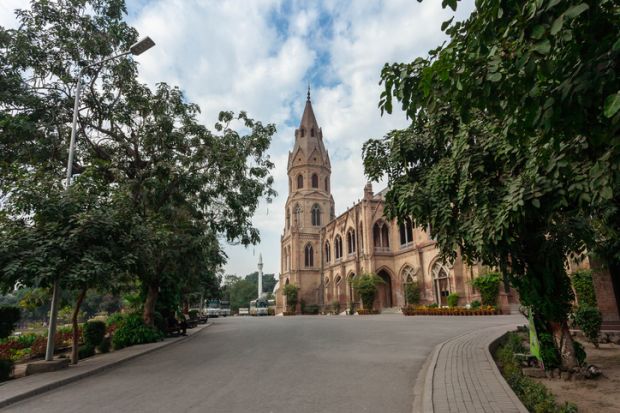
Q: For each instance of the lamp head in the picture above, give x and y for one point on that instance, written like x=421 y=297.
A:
x=141 y=46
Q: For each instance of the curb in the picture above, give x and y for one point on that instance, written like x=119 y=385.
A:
x=51 y=386
x=423 y=388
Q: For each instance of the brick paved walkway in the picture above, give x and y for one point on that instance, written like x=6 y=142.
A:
x=462 y=377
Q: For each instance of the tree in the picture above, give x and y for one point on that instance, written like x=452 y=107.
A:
x=512 y=150
x=366 y=286
x=291 y=291
x=239 y=291
x=181 y=185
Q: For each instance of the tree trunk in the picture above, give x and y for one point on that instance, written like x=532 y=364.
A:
x=74 y=321
x=564 y=344
x=149 y=304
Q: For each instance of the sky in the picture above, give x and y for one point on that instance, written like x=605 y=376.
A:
x=260 y=56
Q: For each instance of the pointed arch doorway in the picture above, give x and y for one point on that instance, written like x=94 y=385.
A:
x=384 y=291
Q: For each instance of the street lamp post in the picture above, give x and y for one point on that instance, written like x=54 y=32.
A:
x=136 y=49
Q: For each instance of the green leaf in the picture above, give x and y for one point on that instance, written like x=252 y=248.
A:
x=445 y=24
x=536 y=203
x=576 y=10
x=538 y=32
x=612 y=105
x=557 y=25
x=495 y=77
x=542 y=47
x=616 y=46
x=450 y=3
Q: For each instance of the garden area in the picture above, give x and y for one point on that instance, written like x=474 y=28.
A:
x=531 y=363
x=487 y=284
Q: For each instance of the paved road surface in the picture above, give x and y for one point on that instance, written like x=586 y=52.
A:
x=271 y=364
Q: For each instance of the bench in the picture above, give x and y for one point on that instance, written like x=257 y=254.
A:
x=191 y=323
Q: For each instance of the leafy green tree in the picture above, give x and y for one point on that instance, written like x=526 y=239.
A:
x=513 y=147
x=291 y=291
x=180 y=185
x=239 y=291
x=366 y=286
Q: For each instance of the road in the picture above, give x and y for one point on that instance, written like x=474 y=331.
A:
x=271 y=364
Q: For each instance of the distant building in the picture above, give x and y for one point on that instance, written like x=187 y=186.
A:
x=322 y=253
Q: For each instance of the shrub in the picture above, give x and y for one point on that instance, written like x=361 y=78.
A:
x=589 y=320
x=6 y=368
x=311 y=309
x=453 y=300
x=336 y=307
x=302 y=306
x=534 y=395
x=115 y=319
x=475 y=304
x=366 y=286
x=488 y=285
x=132 y=330
x=290 y=292
x=9 y=316
x=94 y=332
x=105 y=345
x=584 y=288
x=86 y=350
x=548 y=352
x=433 y=305
x=412 y=293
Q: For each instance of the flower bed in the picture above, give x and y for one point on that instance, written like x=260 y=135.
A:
x=454 y=311
x=367 y=312
x=27 y=346
x=288 y=313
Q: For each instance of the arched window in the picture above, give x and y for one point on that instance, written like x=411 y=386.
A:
x=315 y=181
x=351 y=241
x=408 y=275
x=300 y=181
x=288 y=218
x=312 y=132
x=309 y=256
x=338 y=246
x=326 y=281
x=406 y=232
x=332 y=212
x=328 y=251
x=326 y=184
x=316 y=215
x=338 y=279
x=380 y=236
x=298 y=215
x=302 y=132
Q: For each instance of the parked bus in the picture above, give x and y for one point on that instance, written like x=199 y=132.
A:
x=213 y=308
x=224 y=308
x=259 y=307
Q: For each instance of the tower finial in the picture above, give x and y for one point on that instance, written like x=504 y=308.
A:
x=308 y=91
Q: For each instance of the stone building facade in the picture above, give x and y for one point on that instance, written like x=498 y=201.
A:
x=322 y=253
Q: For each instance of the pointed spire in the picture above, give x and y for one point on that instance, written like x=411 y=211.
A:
x=308 y=99
x=308 y=120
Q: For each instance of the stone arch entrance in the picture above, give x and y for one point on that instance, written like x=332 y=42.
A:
x=385 y=298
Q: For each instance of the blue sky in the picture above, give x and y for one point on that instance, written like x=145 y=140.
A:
x=260 y=55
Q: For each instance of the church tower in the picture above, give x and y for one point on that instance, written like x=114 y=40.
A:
x=309 y=207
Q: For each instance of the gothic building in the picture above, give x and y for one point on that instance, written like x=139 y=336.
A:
x=322 y=253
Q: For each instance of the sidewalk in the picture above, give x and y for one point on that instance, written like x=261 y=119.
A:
x=13 y=391
x=461 y=376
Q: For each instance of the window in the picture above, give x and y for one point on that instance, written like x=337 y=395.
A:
x=338 y=279
x=351 y=241
x=326 y=184
x=302 y=132
x=361 y=231
x=326 y=281
x=332 y=212
x=338 y=246
x=327 y=251
x=316 y=215
x=315 y=181
x=290 y=184
x=380 y=236
x=288 y=218
x=298 y=215
x=312 y=132
x=309 y=256
x=300 y=181
x=406 y=232
x=408 y=275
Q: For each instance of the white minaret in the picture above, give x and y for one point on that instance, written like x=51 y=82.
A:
x=260 y=275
